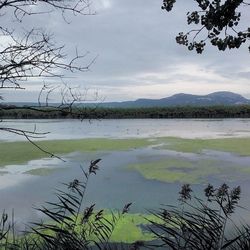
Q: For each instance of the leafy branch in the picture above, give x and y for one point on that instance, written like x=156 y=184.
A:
x=219 y=20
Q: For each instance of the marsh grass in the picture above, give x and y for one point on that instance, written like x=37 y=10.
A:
x=202 y=224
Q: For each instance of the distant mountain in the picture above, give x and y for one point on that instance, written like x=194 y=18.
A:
x=216 y=98
x=181 y=99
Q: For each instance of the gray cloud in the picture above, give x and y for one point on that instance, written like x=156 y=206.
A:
x=137 y=53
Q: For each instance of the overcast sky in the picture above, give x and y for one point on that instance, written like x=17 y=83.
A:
x=137 y=56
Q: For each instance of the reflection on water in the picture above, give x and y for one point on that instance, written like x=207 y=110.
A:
x=10 y=180
x=127 y=128
x=114 y=185
x=34 y=164
x=13 y=175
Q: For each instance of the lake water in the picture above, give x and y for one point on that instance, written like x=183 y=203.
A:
x=131 y=128
x=114 y=185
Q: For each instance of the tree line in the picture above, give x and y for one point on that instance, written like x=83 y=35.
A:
x=236 y=111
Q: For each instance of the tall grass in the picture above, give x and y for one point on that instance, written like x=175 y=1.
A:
x=69 y=225
x=202 y=224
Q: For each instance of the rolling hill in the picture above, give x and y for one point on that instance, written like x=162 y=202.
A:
x=216 y=98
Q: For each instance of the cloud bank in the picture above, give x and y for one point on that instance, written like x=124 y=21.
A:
x=137 y=56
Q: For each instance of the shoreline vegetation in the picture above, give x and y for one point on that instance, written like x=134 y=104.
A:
x=69 y=224
x=75 y=112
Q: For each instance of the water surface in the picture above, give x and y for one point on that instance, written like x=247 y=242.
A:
x=114 y=185
x=131 y=128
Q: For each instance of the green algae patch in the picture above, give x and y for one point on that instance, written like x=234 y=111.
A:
x=240 y=146
x=177 y=170
x=22 y=152
x=43 y=171
x=13 y=153
x=129 y=228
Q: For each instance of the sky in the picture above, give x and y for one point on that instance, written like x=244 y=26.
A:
x=136 y=56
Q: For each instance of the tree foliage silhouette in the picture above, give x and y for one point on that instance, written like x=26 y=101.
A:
x=219 y=22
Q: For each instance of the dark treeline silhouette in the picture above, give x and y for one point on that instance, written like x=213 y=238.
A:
x=239 y=111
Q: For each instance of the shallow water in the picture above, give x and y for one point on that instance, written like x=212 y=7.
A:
x=131 y=128
x=114 y=185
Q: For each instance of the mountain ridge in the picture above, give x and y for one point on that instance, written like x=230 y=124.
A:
x=180 y=99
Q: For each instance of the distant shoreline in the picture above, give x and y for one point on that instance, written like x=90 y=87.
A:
x=182 y=112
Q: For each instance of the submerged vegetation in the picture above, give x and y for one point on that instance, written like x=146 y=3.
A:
x=178 y=170
x=22 y=151
x=240 y=146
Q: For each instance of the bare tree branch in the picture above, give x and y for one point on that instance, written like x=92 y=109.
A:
x=35 y=55
x=30 y=136
x=23 y=8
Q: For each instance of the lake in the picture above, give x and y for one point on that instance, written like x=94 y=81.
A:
x=124 y=175
x=127 y=128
